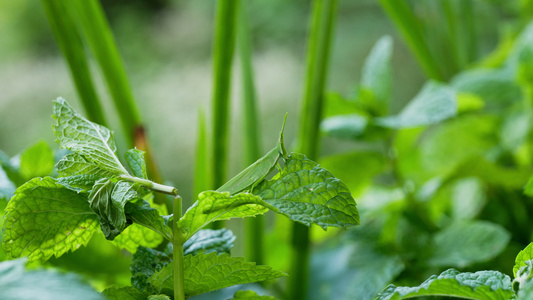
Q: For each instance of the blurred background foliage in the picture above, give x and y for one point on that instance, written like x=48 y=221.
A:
x=438 y=169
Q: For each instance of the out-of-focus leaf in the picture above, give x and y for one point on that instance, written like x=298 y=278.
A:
x=434 y=103
x=18 y=284
x=209 y=272
x=208 y=240
x=522 y=44
x=124 y=293
x=487 y=285
x=250 y=295
x=469 y=102
x=526 y=292
x=463 y=244
x=44 y=219
x=135 y=159
x=307 y=193
x=344 y=126
x=468 y=198
x=7 y=188
x=376 y=74
x=355 y=169
x=12 y=171
x=515 y=127
x=494 y=174
x=335 y=105
x=37 y=161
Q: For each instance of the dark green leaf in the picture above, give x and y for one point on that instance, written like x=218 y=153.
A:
x=18 y=284
x=124 y=293
x=463 y=244
x=209 y=272
x=250 y=295
x=487 y=285
x=307 y=193
x=44 y=218
x=436 y=102
x=135 y=159
x=208 y=240
x=94 y=142
x=37 y=161
x=144 y=264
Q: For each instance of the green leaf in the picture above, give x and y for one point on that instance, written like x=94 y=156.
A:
x=523 y=258
x=79 y=183
x=10 y=169
x=212 y=206
x=7 y=188
x=376 y=74
x=209 y=272
x=18 y=284
x=44 y=218
x=463 y=244
x=37 y=161
x=107 y=199
x=144 y=264
x=94 y=142
x=208 y=240
x=526 y=291
x=75 y=164
x=250 y=295
x=124 y=293
x=158 y=297
x=434 y=103
x=487 y=285
x=344 y=126
x=135 y=159
x=307 y=193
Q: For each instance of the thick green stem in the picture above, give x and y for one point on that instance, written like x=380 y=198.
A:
x=319 y=45
x=254 y=227
x=406 y=23
x=179 y=279
x=69 y=41
x=165 y=189
x=224 y=45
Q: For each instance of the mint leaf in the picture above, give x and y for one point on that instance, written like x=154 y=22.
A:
x=307 y=193
x=7 y=188
x=75 y=164
x=36 y=161
x=124 y=293
x=79 y=183
x=208 y=240
x=44 y=218
x=136 y=235
x=376 y=74
x=144 y=264
x=91 y=140
x=212 y=206
x=107 y=199
x=523 y=259
x=463 y=244
x=209 y=272
x=10 y=169
x=344 y=126
x=158 y=297
x=250 y=295
x=489 y=285
x=526 y=291
x=434 y=103
x=135 y=159
x=18 y=284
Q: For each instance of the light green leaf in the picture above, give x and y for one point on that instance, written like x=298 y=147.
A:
x=124 y=293
x=10 y=169
x=208 y=240
x=434 y=103
x=526 y=291
x=93 y=141
x=44 y=218
x=376 y=74
x=487 y=285
x=141 y=213
x=158 y=297
x=344 y=126
x=250 y=295
x=523 y=257
x=7 y=188
x=307 y=193
x=75 y=164
x=18 y=284
x=468 y=198
x=463 y=244
x=107 y=199
x=37 y=161
x=79 y=183
x=212 y=206
x=135 y=159
x=209 y=272
x=144 y=264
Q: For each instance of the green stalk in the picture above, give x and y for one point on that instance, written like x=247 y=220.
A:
x=319 y=44
x=201 y=174
x=451 y=18
x=406 y=23
x=224 y=45
x=68 y=38
x=254 y=227
x=179 y=277
x=471 y=45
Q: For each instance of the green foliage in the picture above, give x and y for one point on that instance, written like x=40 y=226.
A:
x=250 y=295
x=209 y=272
x=479 y=285
x=18 y=284
x=44 y=218
x=124 y=293
x=135 y=160
x=37 y=161
x=208 y=240
x=523 y=259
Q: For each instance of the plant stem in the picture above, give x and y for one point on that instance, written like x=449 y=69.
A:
x=165 y=189
x=254 y=227
x=406 y=23
x=69 y=41
x=471 y=44
x=201 y=172
x=224 y=44
x=179 y=279
x=318 y=50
